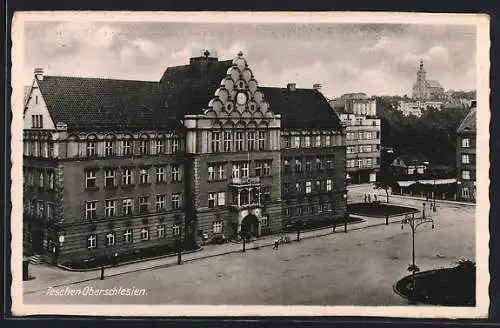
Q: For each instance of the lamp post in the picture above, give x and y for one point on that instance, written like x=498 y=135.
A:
x=179 y=242
x=434 y=193
x=414 y=223
x=346 y=214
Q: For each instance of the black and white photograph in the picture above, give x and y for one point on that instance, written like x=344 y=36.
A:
x=250 y=164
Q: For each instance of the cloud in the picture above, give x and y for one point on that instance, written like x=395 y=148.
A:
x=232 y=51
x=383 y=43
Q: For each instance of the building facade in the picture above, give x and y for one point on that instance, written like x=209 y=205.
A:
x=424 y=89
x=466 y=157
x=115 y=166
x=362 y=140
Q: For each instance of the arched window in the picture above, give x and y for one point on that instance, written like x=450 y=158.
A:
x=244 y=197
x=91 y=146
x=109 y=145
x=127 y=149
x=262 y=139
x=160 y=144
x=144 y=145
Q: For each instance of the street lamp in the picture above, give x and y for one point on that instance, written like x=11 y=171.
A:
x=414 y=223
x=179 y=241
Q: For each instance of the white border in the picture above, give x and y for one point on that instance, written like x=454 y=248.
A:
x=481 y=21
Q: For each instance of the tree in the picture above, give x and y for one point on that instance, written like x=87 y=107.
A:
x=386 y=179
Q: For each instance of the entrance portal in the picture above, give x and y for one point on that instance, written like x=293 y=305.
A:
x=37 y=241
x=250 y=225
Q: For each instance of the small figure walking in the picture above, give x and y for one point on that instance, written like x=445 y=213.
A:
x=374 y=197
x=366 y=197
x=369 y=198
x=276 y=244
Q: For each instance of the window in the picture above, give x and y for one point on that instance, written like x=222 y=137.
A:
x=160 y=230
x=227 y=141
x=211 y=199
x=329 y=185
x=51 y=180
x=128 y=236
x=308 y=164
x=176 y=201
x=37 y=120
x=176 y=173
x=298 y=187
x=308 y=187
x=465 y=192
x=465 y=159
x=258 y=168
x=217 y=226
x=176 y=229
x=319 y=164
x=128 y=206
x=127 y=176
x=175 y=145
x=160 y=174
x=91 y=210
x=327 y=141
x=465 y=142
x=160 y=202
x=221 y=198
x=145 y=233
x=41 y=209
x=92 y=241
x=251 y=141
x=318 y=186
x=296 y=142
x=40 y=179
x=264 y=221
x=110 y=208
x=90 y=179
x=143 y=176
x=286 y=141
x=109 y=178
x=143 y=204
x=211 y=173
x=50 y=211
x=307 y=141
x=266 y=194
x=239 y=141
x=91 y=148
x=244 y=170
x=144 y=147
x=215 y=142
x=298 y=165
x=110 y=239
x=288 y=211
x=286 y=166
x=108 y=148
x=262 y=140
x=299 y=210
x=329 y=164
x=235 y=172
x=160 y=146
x=320 y=206
x=317 y=141
x=286 y=188
x=266 y=168
x=126 y=148
x=465 y=174
x=220 y=172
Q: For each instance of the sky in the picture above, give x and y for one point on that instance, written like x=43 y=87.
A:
x=378 y=59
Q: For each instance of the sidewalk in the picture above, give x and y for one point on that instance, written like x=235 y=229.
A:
x=51 y=276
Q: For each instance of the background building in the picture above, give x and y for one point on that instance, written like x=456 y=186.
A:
x=359 y=116
x=424 y=89
x=129 y=167
x=466 y=157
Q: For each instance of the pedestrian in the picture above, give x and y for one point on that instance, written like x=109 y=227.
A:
x=365 y=198
x=369 y=198
x=276 y=244
x=374 y=197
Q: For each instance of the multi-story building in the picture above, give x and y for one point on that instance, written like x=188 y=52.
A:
x=362 y=139
x=115 y=166
x=466 y=157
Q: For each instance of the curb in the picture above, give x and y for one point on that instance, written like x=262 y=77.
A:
x=130 y=262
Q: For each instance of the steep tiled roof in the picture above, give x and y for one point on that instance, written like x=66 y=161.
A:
x=91 y=103
x=469 y=122
x=301 y=108
x=106 y=104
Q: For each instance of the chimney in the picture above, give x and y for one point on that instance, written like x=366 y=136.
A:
x=291 y=86
x=39 y=74
x=317 y=86
x=473 y=103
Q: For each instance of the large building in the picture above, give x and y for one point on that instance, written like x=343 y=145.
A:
x=115 y=166
x=359 y=115
x=424 y=89
x=466 y=157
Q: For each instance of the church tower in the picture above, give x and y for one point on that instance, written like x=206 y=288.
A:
x=420 y=87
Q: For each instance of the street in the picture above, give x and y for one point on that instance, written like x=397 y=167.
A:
x=354 y=268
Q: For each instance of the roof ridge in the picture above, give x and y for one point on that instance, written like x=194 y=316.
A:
x=97 y=78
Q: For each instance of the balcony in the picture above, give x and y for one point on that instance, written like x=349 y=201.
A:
x=245 y=182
